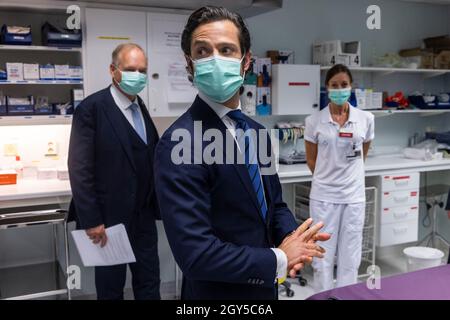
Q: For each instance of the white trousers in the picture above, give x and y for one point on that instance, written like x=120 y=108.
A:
x=345 y=223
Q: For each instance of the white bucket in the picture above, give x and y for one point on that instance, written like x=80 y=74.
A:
x=418 y=258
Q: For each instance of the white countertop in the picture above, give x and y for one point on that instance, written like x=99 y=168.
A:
x=378 y=165
x=374 y=166
x=31 y=189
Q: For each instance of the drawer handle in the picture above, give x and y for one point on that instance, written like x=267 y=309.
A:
x=400 y=230
x=400 y=215
x=401 y=182
x=401 y=199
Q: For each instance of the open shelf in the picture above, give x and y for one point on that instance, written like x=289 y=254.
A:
x=38 y=48
x=35 y=120
x=386 y=71
x=422 y=112
x=15 y=82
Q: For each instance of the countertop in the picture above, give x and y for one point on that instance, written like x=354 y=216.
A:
x=378 y=165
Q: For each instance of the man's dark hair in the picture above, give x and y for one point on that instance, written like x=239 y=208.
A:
x=210 y=14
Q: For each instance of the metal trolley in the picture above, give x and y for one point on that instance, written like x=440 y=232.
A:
x=54 y=218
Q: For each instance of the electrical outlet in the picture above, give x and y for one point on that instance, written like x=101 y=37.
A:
x=10 y=149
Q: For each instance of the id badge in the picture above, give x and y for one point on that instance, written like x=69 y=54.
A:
x=345 y=141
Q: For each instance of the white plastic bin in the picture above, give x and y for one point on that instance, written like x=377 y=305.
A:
x=418 y=258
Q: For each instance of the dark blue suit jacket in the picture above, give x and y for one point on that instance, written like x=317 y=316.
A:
x=212 y=219
x=101 y=166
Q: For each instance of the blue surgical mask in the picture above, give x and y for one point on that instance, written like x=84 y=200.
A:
x=219 y=78
x=339 y=96
x=132 y=82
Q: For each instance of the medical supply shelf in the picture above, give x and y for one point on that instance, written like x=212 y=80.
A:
x=57 y=285
x=35 y=120
x=428 y=73
x=47 y=82
x=301 y=212
x=37 y=48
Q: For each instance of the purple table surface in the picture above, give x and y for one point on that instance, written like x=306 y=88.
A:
x=426 y=284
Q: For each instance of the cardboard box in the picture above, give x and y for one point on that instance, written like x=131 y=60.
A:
x=14 y=71
x=75 y=73
x=438 y=44
x=442 y=60
x=8 y=177
x=425 y=57
x=281 y=56
x=329 y=53
x=31 y=71
x=47 y=174
x=47 y=72
x=62 y=72
x=377 y=100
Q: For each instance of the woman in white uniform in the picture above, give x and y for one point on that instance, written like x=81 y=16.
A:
x=337 y=140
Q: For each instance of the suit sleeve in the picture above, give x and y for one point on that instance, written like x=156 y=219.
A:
x=81 y=163
x=184 y=198
x=283 y=219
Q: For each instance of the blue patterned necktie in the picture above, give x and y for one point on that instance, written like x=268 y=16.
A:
x=251 y=161
x=138 y=123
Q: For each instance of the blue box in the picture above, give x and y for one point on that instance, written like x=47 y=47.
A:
x=15 y=38
x=53 y=36
x=17 y=110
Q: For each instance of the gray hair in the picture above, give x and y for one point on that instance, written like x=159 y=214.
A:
x=122 y=47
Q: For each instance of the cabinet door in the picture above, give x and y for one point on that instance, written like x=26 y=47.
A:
x=170 y=91
x=105 y=30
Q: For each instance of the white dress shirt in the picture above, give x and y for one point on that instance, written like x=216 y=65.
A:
x=124 y=103
x=221 y=112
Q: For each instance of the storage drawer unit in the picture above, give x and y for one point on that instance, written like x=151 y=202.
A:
x=398 y=216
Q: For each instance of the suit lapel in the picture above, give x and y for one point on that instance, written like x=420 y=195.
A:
x=116 y=118
x=211 y=120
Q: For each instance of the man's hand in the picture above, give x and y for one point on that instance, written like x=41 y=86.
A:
x=98 y=235
x=300 y=246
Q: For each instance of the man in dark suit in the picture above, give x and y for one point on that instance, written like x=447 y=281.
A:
x=224 y=219
x=111 y=173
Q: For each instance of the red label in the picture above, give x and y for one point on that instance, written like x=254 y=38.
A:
x=386 y=209
x=401 y=178
x=413 y=194
x=299 y=84
x=386 y=193
x=346 y=134
x=413 y=208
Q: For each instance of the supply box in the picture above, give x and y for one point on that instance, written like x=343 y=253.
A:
x=329 y=53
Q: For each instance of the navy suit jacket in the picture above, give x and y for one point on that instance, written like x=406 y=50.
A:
x=213 y=221
x=101 y=166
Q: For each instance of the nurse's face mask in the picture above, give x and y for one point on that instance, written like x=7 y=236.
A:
x=218 y=77
x=339 y=96
x=339 y=89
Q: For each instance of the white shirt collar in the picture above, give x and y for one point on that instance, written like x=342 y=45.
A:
x=218 y=108
x=325 y=116
x=120 y=99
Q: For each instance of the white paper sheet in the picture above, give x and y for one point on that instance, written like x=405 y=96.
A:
x=116 y=251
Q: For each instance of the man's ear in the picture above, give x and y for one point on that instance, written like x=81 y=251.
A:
x=189 y=68
x=247 y=61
